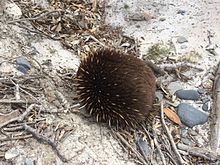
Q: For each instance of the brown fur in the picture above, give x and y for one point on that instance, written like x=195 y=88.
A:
x=116 y=87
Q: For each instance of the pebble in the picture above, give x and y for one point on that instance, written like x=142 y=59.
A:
x=22 y=64
x=12 y=10
x=143 y=146
x=162 y=19
x=181 y=40
x=186 y=141
x=180 y=11
x=188 y=94
x=174 y=86
x=206 y=106
x=183 y=46
x=159 y=95
x=29 y=162
x=191 y=116
x=11 y=153
x=193 y=132
x=184 y=132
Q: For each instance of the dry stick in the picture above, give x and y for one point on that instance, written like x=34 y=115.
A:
x=156 y=144
x=215 y=126
x=7 y=101
x=130 y=147
x=44 y=140
x=33 y=18
x=21 y=117
x=200 y=152
x=178 y=156
x=169 y=67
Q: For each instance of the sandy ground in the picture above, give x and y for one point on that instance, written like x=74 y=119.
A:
x=90 y=143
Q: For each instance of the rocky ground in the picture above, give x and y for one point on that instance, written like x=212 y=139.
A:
x=36 y=67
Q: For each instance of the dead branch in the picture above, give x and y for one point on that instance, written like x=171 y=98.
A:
x=21 y=117
x=178 y=156
x=7 y=101
x=44 y=140
x=215 y=126
x=130 y=147
x=200 y=152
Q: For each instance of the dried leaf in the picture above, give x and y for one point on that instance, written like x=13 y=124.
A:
x=58 y=28
x=172 y=116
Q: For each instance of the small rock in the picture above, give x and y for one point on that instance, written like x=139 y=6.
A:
x=187 y=94
x=12 y=10
x=174 y=86
x=193 y=132
x=181 y=40
x=162 y=19
x=11 y=153
x=184 y=132
x=22 y=64
x=186 y=141
x=29 y=162
x=201 y=91
x=159 y=95
x=183 y=46
x=206 y=106
x=143 y=146
x=191 y=116
x=180 y=11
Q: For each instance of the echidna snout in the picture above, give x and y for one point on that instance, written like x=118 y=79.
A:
x=115 y=87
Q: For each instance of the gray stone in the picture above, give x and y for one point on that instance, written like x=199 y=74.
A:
x=174 y=86
x=159 y=95
x=190 y=116
x=22 y=64
x=181 y=40
x=29 y=162
x=186 y=141
x=180 y=11
x=11 y=153
x=206 y=106
x=184 y=132
x=144 y=147
x=187 y=94
x=183 y=46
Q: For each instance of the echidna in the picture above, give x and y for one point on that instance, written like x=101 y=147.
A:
x=115 y=87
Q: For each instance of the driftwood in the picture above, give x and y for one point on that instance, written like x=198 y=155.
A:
x=215 y=125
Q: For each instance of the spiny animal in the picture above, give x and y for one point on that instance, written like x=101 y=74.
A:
x=115 y=87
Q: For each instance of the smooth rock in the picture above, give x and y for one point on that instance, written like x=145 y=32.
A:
x=186 y=141
x=184 y=132
x=11 y=153
x=181 y=40
x=180 y=11
x=190 y=116
x=174 y=86
x=22 y=64
x=188 y=94
x=143 y=146
x=159 y=95
x=12 y=10
x=29 y=162
x=183 y=46
x=206 y=106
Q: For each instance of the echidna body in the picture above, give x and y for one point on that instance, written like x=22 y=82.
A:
x=115 y=87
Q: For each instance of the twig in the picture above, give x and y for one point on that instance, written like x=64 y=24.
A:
x=215 y=126
x=178 y=156
x=156 y=144
x=200 y=152
x=33 y=18
x=21 y=117
x=44 y=140
x=6 y=101
x=130 y=147
x=170 y=67
x=15 y=138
